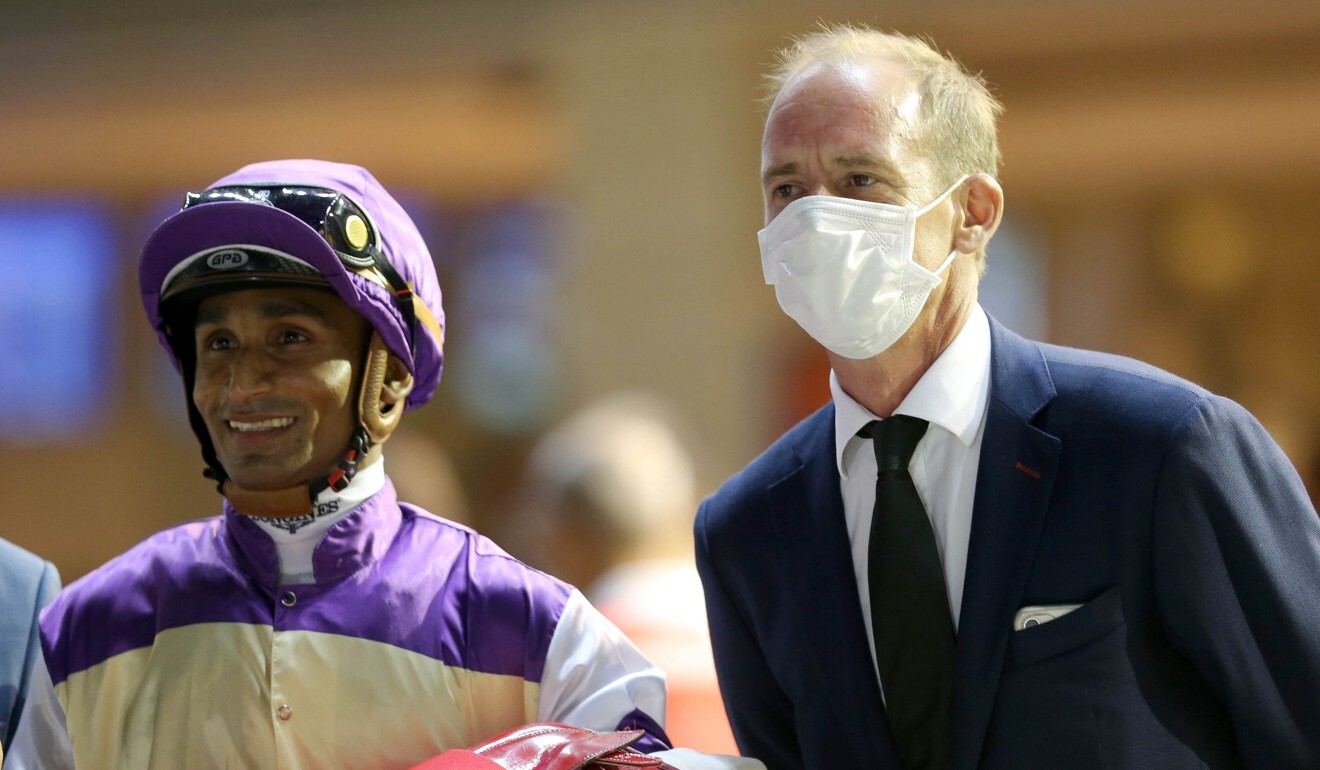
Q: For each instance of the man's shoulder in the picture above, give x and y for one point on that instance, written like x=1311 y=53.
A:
x=1091 y=383
x=116 y=603
x=1080 y=368
x=179 y=544
x=20 y=567
x=29 y=582
x=175 y=551
x=810 y=437
x=1123 y=399
x=481 y=596
x=480 y=562
x=1103 y=388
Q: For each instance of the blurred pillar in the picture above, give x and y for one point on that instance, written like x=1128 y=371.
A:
x=664 y=199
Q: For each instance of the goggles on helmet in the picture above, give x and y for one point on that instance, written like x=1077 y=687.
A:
x=338 y=219
x=334 y=216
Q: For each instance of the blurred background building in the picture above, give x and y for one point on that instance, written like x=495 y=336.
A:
x=586 y=173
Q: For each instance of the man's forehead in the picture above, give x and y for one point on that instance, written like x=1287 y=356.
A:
x=883 y=89
x=858 y=115
x=273 y=302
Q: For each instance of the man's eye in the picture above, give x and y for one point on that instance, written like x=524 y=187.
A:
x=862 y=180
x=219 y=343
x=292 y=337
x=784 y=191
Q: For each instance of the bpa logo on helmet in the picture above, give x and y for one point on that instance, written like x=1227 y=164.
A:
x=227 y=259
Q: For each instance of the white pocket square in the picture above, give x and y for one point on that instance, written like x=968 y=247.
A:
x=1028 y=617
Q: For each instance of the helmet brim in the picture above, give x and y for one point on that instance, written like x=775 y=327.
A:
x=232 y=224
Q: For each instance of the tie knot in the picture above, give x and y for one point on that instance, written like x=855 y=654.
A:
x=894 y=440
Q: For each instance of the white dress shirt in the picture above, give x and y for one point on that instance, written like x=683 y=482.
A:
x=951 y=395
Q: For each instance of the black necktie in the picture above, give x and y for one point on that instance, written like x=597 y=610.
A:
x=909 y=605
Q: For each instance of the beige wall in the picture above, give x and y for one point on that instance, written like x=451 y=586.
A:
x=1165 y=149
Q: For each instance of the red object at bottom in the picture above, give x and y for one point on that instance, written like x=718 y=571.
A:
x=458 y=759
x=549 y=746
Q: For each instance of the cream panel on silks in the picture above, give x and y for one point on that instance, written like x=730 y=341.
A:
x=210 y=695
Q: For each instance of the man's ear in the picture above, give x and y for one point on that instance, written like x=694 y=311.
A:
x=398 y=383
x=386 y=383
x=983 y=208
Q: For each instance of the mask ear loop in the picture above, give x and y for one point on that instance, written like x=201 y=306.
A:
x=954 y=253
x=942 y=195
x=945 y=264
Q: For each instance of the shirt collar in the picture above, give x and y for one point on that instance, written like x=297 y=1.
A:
x=951 y=394
x=330 y=506
x=354 y=541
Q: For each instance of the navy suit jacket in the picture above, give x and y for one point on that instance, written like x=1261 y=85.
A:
x=1168 y=513
x=26 y=585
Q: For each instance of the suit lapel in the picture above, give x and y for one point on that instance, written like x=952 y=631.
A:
x=1013 y=485
x=829 y=636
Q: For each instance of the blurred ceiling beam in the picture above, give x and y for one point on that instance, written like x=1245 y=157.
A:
x=130 y=96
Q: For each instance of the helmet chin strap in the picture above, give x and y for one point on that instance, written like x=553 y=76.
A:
x=295 y=500
x=375 y=424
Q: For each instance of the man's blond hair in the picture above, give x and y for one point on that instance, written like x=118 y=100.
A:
x=958 y=112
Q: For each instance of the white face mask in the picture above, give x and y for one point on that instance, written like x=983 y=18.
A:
x=843 y=269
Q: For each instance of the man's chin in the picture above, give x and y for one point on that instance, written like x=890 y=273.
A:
x=265 y=479
x=268 y=486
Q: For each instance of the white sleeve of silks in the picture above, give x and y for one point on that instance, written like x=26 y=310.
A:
x=594 y=676
x=42 y=741
x=687 y=759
